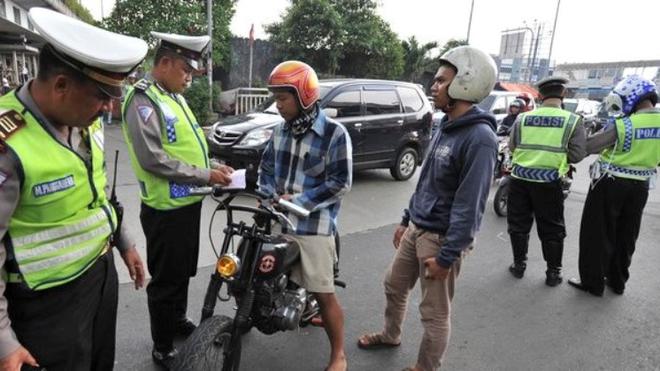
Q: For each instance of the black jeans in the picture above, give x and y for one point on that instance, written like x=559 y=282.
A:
x=70 y=327
x=172 y=252
x=609 y=229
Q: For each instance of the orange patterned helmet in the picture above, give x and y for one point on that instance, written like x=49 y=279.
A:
x=300 y=77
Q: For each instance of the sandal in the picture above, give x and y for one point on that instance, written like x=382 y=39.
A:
x=374 y=341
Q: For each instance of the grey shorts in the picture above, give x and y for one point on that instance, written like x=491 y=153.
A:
x=317 y=258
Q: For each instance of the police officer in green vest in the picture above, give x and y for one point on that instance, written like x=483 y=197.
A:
x=544 y=142
x=169 y=154
x=626 y=168
x=58 y=292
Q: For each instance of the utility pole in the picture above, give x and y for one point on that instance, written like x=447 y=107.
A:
x=552 y=39
x=536 y=48
x=209 y=60
x=470 y=22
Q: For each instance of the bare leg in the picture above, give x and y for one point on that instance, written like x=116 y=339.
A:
x=333 y=319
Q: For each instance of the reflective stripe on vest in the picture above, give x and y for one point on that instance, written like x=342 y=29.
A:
x=541 y=145
x=182 y=139
x=63 y=220
x=540 y=175
x=637 y=152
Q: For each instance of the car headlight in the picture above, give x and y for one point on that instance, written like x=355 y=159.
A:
x=228 y=265
x=256 y=138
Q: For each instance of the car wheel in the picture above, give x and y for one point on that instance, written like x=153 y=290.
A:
x=405 y=165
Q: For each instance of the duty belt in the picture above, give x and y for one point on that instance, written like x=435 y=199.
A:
x=542 y=175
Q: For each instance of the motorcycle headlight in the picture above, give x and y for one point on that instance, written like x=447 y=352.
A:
x=228 y=265
x=256 y=138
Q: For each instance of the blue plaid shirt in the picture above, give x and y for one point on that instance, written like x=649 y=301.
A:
x=316 y=170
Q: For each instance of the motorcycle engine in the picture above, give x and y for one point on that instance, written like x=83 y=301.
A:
x=280 y=308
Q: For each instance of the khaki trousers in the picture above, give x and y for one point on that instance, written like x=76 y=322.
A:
x=435 y=306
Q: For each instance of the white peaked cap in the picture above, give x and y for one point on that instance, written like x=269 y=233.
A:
x=191 y=48
x=103 y=56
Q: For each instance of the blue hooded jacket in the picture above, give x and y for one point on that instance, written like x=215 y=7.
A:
x=454 y=182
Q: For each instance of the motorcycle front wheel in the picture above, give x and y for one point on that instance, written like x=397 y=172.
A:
x=500 y=200
x=204 y=349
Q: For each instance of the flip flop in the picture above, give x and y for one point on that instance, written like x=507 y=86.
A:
x=374 y=341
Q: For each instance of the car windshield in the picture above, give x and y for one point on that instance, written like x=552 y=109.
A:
x=570 y=106
x=268 y=106
x=487 y=103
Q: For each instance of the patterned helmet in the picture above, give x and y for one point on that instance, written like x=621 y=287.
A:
x=628 y=93
x=300 y=77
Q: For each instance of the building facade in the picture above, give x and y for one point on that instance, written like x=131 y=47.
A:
x=596 y=80
x=19 y=43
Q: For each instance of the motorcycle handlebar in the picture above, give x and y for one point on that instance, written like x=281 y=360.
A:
x=219 y=191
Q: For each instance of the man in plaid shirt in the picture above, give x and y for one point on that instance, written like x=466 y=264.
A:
x=309 y=161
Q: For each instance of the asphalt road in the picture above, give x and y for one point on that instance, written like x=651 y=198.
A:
x=498 y=322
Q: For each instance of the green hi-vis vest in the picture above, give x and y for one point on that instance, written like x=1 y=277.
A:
x=541 y=148
x=63 y=219
x=637 y=151
x=182 y=139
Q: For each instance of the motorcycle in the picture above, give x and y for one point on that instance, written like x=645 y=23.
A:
x=256 y=275
x=500 y=200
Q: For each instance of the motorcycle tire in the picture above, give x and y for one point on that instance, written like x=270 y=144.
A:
x=500 y=200
x=201 y=351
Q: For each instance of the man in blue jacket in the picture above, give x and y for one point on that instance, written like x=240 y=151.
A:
x=446 y=209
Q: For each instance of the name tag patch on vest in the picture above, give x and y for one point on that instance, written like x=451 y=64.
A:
x=545 y=121
x=54 y=186
x=647 y=133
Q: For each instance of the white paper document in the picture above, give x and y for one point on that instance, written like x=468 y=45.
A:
x=237 y=180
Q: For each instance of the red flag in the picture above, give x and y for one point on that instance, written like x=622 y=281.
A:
x=252 y=35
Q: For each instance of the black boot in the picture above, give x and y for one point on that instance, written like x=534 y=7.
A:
x=552 y=253
x=553 y=277
x=519 y=244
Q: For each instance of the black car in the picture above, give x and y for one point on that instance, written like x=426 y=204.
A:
x=389 y=123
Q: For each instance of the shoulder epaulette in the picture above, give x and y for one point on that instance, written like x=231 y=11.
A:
x=142 y=85
x=10 y=122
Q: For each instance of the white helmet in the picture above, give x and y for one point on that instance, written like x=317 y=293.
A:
x=628 y=93
x=475 y=76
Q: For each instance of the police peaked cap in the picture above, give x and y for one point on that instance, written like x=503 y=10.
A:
x=191 y=48
x=103 y=56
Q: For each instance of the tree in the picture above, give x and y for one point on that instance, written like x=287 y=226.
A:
x=415 y=58
x=188 y=17
x=310 y=31
x=451 y=44
x=432 y=65
x=80 y=11
x=338 y=36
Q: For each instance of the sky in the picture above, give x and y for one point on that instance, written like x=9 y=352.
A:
x=587 y=30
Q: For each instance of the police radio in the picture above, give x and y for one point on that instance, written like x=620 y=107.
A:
x=119 y=209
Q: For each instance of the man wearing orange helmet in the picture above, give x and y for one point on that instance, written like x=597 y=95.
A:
x=309 y=161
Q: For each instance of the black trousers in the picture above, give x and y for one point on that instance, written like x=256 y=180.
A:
x=172 y=251
x=70 y=327
x=609 y=229
x=543 y=202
